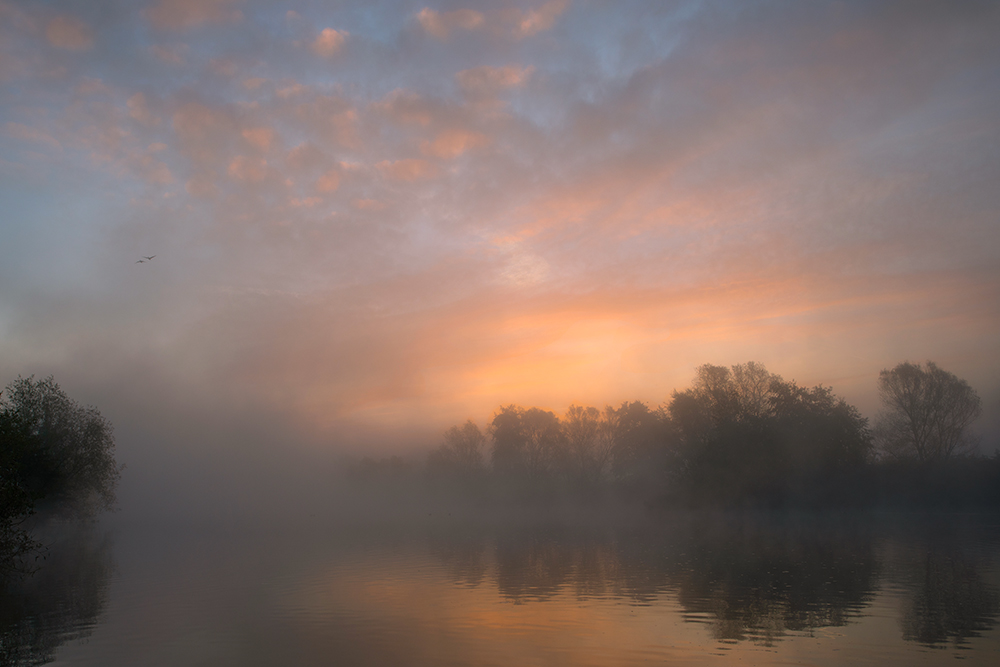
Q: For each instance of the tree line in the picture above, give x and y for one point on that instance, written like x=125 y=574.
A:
x=739 y=435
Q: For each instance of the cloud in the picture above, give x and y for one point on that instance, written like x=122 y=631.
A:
x=440 y=25
x=259 y=137
x=185 y=14
x=69 y=33
x=172 y=54
x=247 y=169
x=32 y=134
x=449 y=144
x=305 y=157
x=204 y=133
x=138 y=109
x=329 y=42
x=485 y=81
x=328 y=182
x=406 y=170
x=526 y=23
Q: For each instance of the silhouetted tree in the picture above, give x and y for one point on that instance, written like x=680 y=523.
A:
x=65 y=456
x=637 y=445
x=528 y=443
x=589 y=441
x=926 y=413
x=743 y=433
x=462 y=451
x=54 y=454
x=16 y=503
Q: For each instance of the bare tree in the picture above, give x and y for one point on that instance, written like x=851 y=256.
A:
x=926 y=413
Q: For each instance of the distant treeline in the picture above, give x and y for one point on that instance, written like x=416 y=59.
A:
x=738 y=437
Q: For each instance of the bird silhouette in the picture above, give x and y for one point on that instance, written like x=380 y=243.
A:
x=150 y=257
x=140 y=261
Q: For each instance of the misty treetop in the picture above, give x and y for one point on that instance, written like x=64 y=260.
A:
x=56 y=456
x=739 y=435
x=926 y=413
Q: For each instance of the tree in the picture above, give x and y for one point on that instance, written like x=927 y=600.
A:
x=461 y=454
x=742 y=433
x=16 y=503
x=527 y=443
x=56 y=451
x=926 y=413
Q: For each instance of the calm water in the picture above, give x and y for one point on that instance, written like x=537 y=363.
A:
x=691 y=589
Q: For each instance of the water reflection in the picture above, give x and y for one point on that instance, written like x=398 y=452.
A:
x=747 y=578
x=60 y=601
x=684 y=589
x=941 y=566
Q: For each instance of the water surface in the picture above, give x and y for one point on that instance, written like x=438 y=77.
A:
x=683 y=589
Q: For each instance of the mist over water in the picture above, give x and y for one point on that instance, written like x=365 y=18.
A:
x=686 y=588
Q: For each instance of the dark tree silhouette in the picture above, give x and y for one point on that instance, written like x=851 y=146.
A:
x=744 y=434
x=55 y=456
x=527 y=443
x=461 y=453
x=926 y=413
x=66 y=458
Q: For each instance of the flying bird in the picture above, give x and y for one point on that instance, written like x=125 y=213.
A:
x=150 y=257
x=140 y=261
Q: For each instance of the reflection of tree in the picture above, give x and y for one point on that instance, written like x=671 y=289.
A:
x=463 y=556
x=760 y=582
x=950 y=599
x=532 y=565
x=748 y=580
x=59 y=602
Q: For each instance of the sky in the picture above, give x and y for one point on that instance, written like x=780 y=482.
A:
x=373 y=220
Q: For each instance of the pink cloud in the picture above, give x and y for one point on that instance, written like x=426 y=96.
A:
x=328 y=182
x=406 y=170
x=247 y=170
x=260 y=138
x=184 y=14
x=440 y=25
x=139 y=110
x=329 y=42
x=449 y=144
x=32 y=134
x=172 y=54
x=69 y=33
x=532 y=21
x=485 y=81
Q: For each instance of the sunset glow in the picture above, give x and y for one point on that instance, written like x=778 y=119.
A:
x=392 y=216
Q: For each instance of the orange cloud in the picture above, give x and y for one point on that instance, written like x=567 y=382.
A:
x=184 y=14
x=259 y=137
x=406 y=170
x=440 y=25
x=69 y=33
x=328 y=182
x=138 y=109
x=530 y=22
x=485 y=80
x=329 y=42
x=450 y=144
x=304 y=157
x=28 y=133
x=173 y=54
x=248 y=170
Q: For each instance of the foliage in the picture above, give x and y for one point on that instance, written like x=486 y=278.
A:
x=527 y=443
x=746 y=435
x=54 y=455
x=64 y=456
x=926 y=413
x=16 y=503
x=461 y=454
